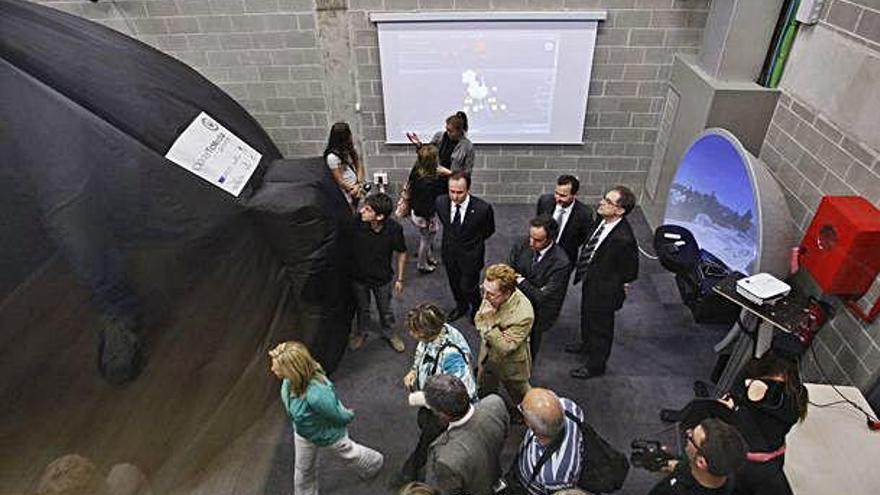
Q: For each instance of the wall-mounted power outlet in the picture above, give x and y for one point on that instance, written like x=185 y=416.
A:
x=380 y=178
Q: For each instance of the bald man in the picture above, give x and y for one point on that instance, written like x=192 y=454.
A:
x=552 y=425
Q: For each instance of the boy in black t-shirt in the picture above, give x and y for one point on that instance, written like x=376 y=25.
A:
x=376 y=237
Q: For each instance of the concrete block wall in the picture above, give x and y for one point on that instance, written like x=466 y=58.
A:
x=268 y=55
x=811 y=157
x=819 y=144
x=264 y=53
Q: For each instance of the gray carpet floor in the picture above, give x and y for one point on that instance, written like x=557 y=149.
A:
x=658 y=352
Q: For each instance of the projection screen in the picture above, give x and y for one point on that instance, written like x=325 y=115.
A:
x=520 y=77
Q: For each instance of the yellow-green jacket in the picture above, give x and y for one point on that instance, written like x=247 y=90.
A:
x=504 y=346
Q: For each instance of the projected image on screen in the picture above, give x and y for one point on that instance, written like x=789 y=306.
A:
x=712 y=196
x=519 y=82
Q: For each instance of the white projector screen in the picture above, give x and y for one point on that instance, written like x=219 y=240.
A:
x=523 y=81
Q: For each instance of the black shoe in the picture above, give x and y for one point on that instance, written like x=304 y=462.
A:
x=120 y=350
x=455 y=314
x=574 y=348
x=584 y=373
x=671 y=415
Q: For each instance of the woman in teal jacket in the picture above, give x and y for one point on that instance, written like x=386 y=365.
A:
x=319 y=418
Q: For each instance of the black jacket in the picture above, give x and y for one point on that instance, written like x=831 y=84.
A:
x=615 y=262
x=467 y=243
x=545 y=284
x=576 y=229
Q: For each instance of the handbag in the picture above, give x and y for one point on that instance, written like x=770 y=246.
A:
x=403 y=207
x=606 y=468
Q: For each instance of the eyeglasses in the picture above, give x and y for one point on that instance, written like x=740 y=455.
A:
x=689 y=434
x=610 y=202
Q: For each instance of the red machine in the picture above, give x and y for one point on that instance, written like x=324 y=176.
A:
x=841 y=249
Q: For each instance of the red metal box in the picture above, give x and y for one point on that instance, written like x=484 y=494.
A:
x=841 y=248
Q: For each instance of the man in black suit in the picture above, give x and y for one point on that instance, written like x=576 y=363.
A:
x=542 y=269
x=575 y=220
x=467 y=222
x=607 y=263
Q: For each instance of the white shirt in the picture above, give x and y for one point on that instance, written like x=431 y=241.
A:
x=542 y=252
x=349 y=176
x=566 y=213
x=464 y=419
x=608 y=227
x=464 y=207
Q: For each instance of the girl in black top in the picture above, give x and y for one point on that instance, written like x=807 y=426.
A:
x=425 y=183
x=766 y=405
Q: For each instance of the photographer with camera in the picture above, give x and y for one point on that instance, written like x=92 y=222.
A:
x=714 y=451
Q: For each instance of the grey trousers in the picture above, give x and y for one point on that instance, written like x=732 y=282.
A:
x=382 y=295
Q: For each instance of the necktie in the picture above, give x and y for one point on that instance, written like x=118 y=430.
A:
x=587 y=253
x=536 y=258
x=456 y=219
x=560 y=213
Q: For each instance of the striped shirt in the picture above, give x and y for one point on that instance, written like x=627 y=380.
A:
x=563 y=468
x=448 y=354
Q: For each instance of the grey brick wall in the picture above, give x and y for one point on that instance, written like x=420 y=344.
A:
x=266 y=54
x=858 y=20
x=812 y=157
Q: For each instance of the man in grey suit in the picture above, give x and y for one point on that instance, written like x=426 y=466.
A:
x=466 y=458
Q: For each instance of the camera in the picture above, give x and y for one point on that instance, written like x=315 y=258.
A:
x=649 y=454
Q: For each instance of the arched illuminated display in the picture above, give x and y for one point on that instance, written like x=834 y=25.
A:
x=728 y=200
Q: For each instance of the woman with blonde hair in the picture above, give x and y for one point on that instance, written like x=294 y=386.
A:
x=427 y=180
x=418 y=488
x=319 y=418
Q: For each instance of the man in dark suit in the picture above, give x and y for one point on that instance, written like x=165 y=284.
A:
x=607 y=263
x=466 y=458
x=542 y=269
x=467 y=222
x=572 y=216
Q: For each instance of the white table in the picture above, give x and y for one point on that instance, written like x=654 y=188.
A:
x=833 y=452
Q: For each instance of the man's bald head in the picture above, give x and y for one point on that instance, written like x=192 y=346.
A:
x=543 y=413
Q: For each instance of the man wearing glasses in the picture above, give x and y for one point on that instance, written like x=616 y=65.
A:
x=607 y=263
x=504 y=321
x=714 y=451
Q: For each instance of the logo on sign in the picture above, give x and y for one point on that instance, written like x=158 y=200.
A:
x=209 y=124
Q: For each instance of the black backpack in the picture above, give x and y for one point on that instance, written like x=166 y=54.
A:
x=604 y=472
x=606 y=467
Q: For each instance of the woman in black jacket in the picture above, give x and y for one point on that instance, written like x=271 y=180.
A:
x=766 y=405
x=425 y=183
